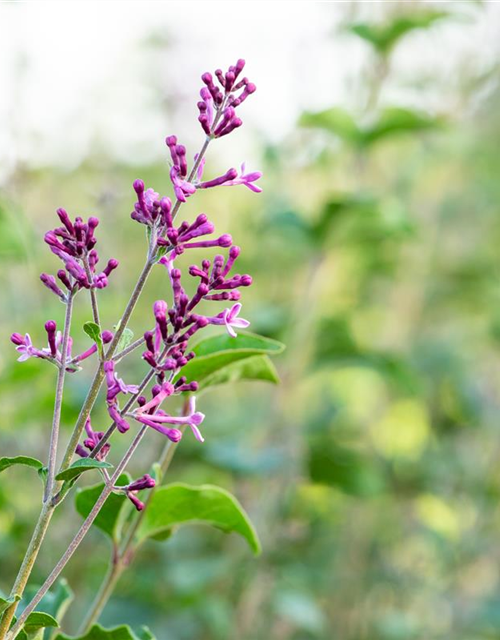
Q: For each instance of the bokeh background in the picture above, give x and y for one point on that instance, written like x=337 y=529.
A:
x=372 y=471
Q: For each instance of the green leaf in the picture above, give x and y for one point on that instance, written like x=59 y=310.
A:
x=110 y=516
x=78 y=467
x=125 y=339
x=36 y=622
x=54 y=602
x=97 y=632
x=179 y=504
x=391 y=121
x=160 y=252
x=395 y=120
x=5 y=463
x=217 y=352
x=6 y=602
x=384 y=37
x=254 y=368
x=43 y=473
x=225 y=342
x=334 y=120
x=93 y=330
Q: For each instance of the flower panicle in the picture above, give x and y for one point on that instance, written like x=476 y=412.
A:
x=167 y=349
x=74 y=244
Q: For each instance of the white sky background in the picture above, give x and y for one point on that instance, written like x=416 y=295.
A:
x=77 y=75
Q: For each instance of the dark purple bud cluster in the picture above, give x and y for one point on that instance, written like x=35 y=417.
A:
x=131 y=490
x=218 y=103
x=91 y=441
x=147 y=208
x=178 y=239
x=74 y=243
x=216 y=280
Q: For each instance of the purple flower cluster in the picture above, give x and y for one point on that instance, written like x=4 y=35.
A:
x=167 y=344
x=52 y=352
x=74 y=243
x=92 y=440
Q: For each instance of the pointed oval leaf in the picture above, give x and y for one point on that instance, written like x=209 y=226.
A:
x=36 y=622
x=179 y=504
x=110 y=516
x=254 y=368
x=217 y=352
x=55 y=602
x=335 y=120
x=397 y=121
x=93 y=330
x=79 y=466
x=5 y=463
x=224 y=342
x=384 y=37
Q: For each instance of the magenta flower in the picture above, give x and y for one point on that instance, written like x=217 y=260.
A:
x=157 y=420
x=247 y=179
x=182 y=188
x=231 y=179
x=231 y=319
x=115 y=384
x=25 y=347
x=166 y=390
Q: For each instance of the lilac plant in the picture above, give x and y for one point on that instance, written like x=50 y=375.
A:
x=167 y=346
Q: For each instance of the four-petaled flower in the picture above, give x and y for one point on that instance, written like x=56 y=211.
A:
x=26 y=349
x=231 y=320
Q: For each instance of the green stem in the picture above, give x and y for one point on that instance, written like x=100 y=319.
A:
x=47 y=510
x=107 y=587
x=82 y=532
x=56 y=420
x=122 y=558
x=27 y=565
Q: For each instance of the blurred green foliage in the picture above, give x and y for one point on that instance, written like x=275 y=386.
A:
x=371 y=472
